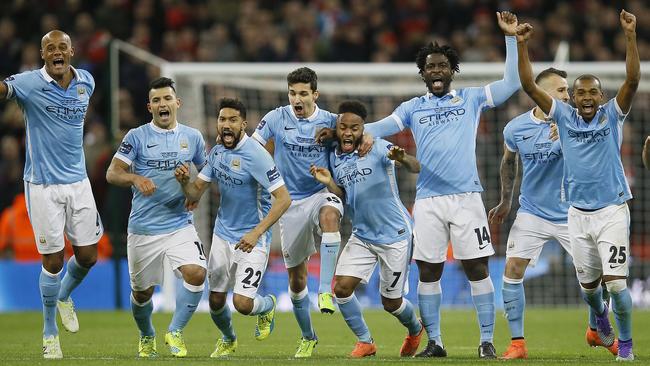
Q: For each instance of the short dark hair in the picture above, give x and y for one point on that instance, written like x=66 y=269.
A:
x=548 y=72
x=303 y=75
x=355 y=107
x=445 y=50
x=589 y=77
x=162 y=82
x=233 y=103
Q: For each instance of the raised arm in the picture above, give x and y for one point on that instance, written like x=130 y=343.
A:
x=280 y=205
x=632 y=63
x=539 y=96
x=502 y=89
x=399 y=155
x=119 y=174
x=508 y=174
x=192 y=190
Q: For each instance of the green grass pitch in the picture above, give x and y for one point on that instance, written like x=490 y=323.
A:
x=554 y=336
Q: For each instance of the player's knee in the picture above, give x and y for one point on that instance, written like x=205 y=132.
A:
x=342 y=290
x=53 y=263
x=476 y=269
x=616 y=285
x=216 y=300
x=515 y=268
x=391 y=305
x=86 y=256
x=297 y=281
x=194 y=275
x=142 y=297
x=429 y=272
x=243 y=304
x=329 y=219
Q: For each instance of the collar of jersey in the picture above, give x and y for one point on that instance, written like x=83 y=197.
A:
x=49 y=79
x=342 y=154
x=451 y=94
x=161 y=130
x=537 y=120
x=242 y=140
x=310 y=118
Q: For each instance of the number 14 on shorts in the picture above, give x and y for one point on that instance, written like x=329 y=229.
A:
x=483 y=237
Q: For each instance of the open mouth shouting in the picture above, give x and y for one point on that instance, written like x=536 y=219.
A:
x=588 y=108
x=437 y=83
x=347 y=144
x=228 y=138
x=164 y=115
x=299 y=110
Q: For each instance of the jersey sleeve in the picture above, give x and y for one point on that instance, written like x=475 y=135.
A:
x=206 y=172
x=614 y=112
x=509 y=138
x=559 y=112
x=396 y=122
x=89 y=78
x=199 y=159
x=480 y=97
x=263 y=169
x=20 y=85
x=128 y=150
x=382 y=148
x=265 y=129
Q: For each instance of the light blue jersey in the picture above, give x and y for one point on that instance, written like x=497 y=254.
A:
x=593 y=171
x=377 y=213
x=245 y=175
x=54 y=122
x=154 y=153
x=295 y=147
x=541 y=184
x=444 y=130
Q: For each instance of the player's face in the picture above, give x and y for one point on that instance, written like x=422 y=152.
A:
x=56 y=52
x=230 y=127
x=437 y=74
x=302 y=99
x=163 y=105
x=587 y=96
x=349 y=131
x=556 y=86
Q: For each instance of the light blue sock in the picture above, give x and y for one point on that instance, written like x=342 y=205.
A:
x=329 y=249
x=622 y=308
x=406 y=315
x=49 y=284
x=74 y=274
x=142 y=316
x=514 y=303
x=483 y=298
x=592 y=314
x=261 y=305
x=187 y=299
x=222 y=318
x=594 y=297
x=301 y=310
x=351 y=311
x=429 y=297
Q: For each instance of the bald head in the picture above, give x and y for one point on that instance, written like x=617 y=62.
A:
x=53 y=36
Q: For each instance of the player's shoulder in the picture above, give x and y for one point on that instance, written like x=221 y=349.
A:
x=327 y=115
x=84 y=76
x=140 y=131
x=251 y=148
x=189 y=131
x=30 y=76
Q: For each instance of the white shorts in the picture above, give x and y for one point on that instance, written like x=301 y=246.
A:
x=298 y=223
x=55 y=208
x=145 y=254
x=235 y=269
x=459 y=218
x=529 y=233
x=358 y=259
x=600 y=241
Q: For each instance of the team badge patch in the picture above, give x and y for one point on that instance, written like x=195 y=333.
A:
x=125 y=148
x=273 y=174
x=184 y=145
x=41 y=239
x=456 y=100
x=235 y=164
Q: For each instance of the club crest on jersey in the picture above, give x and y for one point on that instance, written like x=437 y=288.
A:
x=456 y=100
x=81 y=92
x=41 y=239
x=602 y=119
x=235 y=164
x=184 y=145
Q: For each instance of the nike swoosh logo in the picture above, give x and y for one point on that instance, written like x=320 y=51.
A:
x=150 y=146
x=611 y=266
x=337 y=165
x=508 y=302
x=526 y=138
x=331 y=246
x=248 y=286
x=46 y=89
x=390 y=289
x=487 y=325
x=289 y=128
x=482 y=247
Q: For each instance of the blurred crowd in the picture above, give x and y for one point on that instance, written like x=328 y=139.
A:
x=271 y=31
